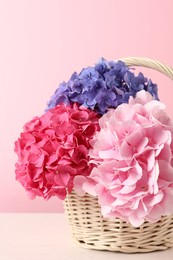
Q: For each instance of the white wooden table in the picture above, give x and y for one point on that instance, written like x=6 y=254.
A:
x=48 y=237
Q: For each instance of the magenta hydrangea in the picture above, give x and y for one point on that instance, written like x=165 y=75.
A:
x=53 y=149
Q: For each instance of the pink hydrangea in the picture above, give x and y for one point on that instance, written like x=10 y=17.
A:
x=53 y=149
x=133 y=157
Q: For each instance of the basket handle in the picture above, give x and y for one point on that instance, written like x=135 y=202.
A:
x=149 y=63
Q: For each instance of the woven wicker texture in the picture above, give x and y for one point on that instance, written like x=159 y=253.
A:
x=91 y=230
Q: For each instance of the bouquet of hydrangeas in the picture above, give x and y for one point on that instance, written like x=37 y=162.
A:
x=104 y=133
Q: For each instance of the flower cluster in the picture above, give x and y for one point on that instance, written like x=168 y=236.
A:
x=133 y=157
x=53 y=149
x=104 y=132
x=104 y=86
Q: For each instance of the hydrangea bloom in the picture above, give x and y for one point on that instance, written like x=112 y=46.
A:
x=104 y=86
x=53 y=149
x=133 y=157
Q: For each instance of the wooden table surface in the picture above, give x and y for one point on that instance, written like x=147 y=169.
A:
x=47 y=237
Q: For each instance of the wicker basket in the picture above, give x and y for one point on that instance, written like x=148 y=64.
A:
x=91 y=230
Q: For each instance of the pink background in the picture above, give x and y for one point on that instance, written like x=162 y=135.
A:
x=43 y=42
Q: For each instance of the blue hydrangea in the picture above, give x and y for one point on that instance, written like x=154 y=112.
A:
x=106 y=85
